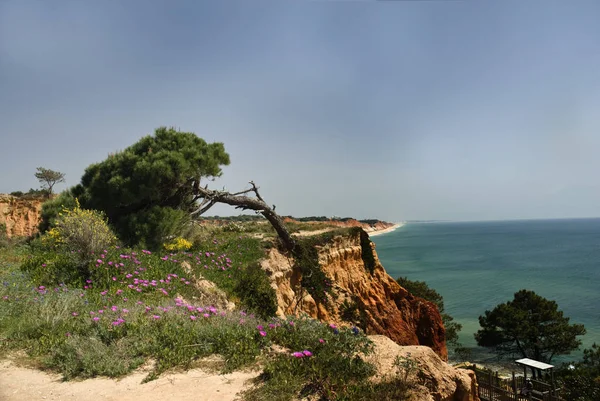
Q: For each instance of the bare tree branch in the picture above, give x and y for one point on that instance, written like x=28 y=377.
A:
x=240 y=201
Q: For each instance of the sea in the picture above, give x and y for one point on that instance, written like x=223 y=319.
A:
x=478 y=265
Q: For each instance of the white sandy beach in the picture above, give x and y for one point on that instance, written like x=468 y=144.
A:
x=387 y=230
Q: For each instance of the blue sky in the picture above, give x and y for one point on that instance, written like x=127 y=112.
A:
x=459 y=110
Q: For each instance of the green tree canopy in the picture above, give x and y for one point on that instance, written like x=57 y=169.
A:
x=530 y=326
x=49 y=178
x=151 y=182
x=421 y=289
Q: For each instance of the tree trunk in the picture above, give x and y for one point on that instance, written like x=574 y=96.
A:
x=240 y=201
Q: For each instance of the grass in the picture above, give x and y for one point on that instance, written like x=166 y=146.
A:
x=137 y=306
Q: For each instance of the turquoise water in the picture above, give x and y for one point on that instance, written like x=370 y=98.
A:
x=477 y=265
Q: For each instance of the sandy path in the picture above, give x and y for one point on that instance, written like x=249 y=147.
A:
x=24 y=384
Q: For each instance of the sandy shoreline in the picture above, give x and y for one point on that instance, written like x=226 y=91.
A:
x=387 y=230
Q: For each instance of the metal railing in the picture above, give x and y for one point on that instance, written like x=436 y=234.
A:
x=492 y=387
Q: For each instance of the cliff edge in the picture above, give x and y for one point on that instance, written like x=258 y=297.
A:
x=382 y=306
x=21 y=216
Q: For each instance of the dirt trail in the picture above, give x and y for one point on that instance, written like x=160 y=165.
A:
x=24 y=384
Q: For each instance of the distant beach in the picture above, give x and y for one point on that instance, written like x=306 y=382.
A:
x=387 y=230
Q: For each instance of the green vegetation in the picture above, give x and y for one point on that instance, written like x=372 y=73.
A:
x=53 y=207
x=421 y=289
x=366 y=251
x=581 y=380
x=138 y=306
x=49 y=178
x=530 y=326
x=306 y=254
x=122 y=273
x=31 y=194
x=146 y=190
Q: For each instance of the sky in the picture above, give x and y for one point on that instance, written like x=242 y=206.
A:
x=398 y=110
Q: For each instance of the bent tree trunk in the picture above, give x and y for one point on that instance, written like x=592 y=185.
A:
x=211 y=197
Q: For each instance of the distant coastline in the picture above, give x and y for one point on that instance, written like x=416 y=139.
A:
x=386 y=230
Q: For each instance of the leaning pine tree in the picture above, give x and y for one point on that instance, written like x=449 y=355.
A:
x=151 y=189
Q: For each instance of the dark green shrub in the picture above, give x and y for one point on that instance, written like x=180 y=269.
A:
x=254 y=290
x=152 y=227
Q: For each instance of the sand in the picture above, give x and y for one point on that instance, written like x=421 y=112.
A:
x=387 y=230
x=20 y=384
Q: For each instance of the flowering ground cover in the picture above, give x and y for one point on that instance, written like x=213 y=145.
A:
x=136 y=305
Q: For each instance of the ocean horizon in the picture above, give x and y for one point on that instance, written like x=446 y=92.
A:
x=476 y=265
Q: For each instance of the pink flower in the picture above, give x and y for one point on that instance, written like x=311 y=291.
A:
x=298 y=354
x=333 y=326
x=307 y=353
x=321 y=341
x=95 y=318
x=262 y=333
x=259 y=327
x=192 y=317
x=206 y=315
x=99 y=261
x=75 y=314
x=156 y=317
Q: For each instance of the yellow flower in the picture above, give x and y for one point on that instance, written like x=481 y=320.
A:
x=178 y=244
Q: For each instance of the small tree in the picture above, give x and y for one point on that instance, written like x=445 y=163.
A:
x=48 y=178
x=530 y=326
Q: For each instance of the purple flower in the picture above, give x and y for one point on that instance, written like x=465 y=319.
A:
x=95 y=318
x=307 y=353
x=192 y=317
x=298 y=354
x=262 y=333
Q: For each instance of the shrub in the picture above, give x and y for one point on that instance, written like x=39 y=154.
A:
x=151 y=228
x=52 y=208
x=255 y=291
x=82 y=231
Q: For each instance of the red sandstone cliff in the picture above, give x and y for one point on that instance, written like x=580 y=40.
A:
x=389 y=309
x=21 y=216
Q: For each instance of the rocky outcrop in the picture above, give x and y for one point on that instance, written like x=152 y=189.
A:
x=432 y=379
x=21 y=216
x=388 y=308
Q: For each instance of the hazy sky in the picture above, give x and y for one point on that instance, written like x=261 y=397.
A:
x=460 y=110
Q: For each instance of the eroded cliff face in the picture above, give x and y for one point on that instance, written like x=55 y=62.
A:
x=388 y=308
x=21 y=216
